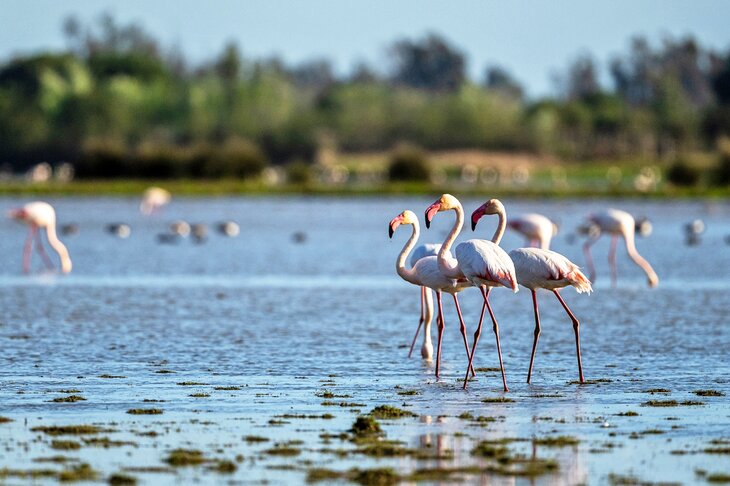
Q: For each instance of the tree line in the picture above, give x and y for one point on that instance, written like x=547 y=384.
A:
x=115 y=103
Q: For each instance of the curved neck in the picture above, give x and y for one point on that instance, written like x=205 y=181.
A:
x=639 y=260
x=499 y=232
x=59 y=247
x=408 y=274
x=448 y=264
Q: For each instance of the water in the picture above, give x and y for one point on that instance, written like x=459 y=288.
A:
x=284 y=322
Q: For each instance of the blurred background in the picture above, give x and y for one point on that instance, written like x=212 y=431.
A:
x=521 y=97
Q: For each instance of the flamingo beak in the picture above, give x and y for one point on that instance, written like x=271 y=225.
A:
x=431 y=212
x=395 y=222
x=15 y=213
x=475 y=216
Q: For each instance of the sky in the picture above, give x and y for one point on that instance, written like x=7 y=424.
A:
x=531 y=39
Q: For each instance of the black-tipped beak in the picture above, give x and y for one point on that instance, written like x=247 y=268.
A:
x=431 y=212
x=390 y=231
x=478 y=213
x=473 y=225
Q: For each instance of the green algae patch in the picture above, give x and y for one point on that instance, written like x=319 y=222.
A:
x=718 y=478
x=437 y=474
x=657 y=390
x=145 y=411
x=111 y=376
x=556 y=441
x=389 y=412
x=199 y=395
x=68 y=399
x=382 y=476
x=56 y=459
x=708 y=393
x=628 y=413
x=329 y=395
x=81 y=472
x=523 y=467
x=318 y=474
x=255 y=438
x=342 y=404
x=365 y=427
x=661 y=403
x=487 y=370
x=164 y=372
x=70 y=391
x=497 y=400
x=27 y=473
x=65 y=445
x=491 y=449
x=223 y=466
x=190 y=383
x=5 y=420
x=71 y=429
x=717 y=450
x=691 y=403
x=283 y=449
x=106 y=442
x=597 y=381
x=119 y=479
x=324 y=416
x=227 y=388
x=408 y=393
x=185 y=457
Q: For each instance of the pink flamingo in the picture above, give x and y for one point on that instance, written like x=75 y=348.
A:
x=153 y=199
x=426 y=273
x=617 y=223
x=421 y=251
x=40 y=215
x=538 y=229
x=483 y=263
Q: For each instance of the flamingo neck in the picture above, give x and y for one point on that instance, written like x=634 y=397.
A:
x=639 y=260
x=408 y=274
x=499 y=232
x=59 y=247
x=448 y=265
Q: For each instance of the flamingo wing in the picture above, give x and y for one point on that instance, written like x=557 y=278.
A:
x=486 y=261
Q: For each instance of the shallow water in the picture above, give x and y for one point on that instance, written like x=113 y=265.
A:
x=286 y=321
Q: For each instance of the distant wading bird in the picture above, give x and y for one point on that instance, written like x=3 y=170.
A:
x=538 y=229
x=421 y=251
x=426 y=273
x=153 y=199
x=537 y=268
x=39 y=215
x=483 y=263
x=616 y=223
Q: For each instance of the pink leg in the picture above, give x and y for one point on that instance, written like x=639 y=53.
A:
x=42 y=252
x=420 y=321
x=576 y=328
x=537 y=334
x=28 y=247
x=612 y=260
x=440 y=325
x=462 y=327
x=485 y=295
x=589 y=259
x=477 y=333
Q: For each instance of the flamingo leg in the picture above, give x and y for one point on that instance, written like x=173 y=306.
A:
x=612 y=260
x=589 y=259
x=477 y=333
x=42 y=252
x=495 y=328
x=462 y=328
x=420 y=321
x=576 y=328
x=537 y=334
x=28 y=247
x=440 y=325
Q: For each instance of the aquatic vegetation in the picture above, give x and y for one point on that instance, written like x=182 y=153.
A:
x=628 y=413
x=199 y=395
x=119 y=479
x=164 y=372
x=325 y=416
x=80 y=472
x=56 y=459
x=390 y=412
x=366 y=427
x=328 y=394
x=716 y=450
x=68 y=399
x=145 y=411
x=342 y=404
x=111 y=376
x=718 y=478
x=4 y=420
x=65 y=445
x=661 y=403
x=27 y=473
x=556 y=441
x=185 y=457
x=657 y=390
x=318 y=474
x=497 y=400
x=708 y=393
x=255 y=438
x=190 y=383
x=283 y=449
x=383 y=476
x=487 y=370
x=408 y=393
x=227 y=388
x=491 y=449
x=70 y=429
x=70 y=391
x=591 y=382
x=224 y=467
x=106 y=442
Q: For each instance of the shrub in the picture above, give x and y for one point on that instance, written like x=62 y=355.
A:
x=298 y=172
x=722 y=170
x=102 y=159
x=680 y=173
x=409 y=163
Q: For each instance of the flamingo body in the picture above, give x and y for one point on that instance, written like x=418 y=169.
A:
x=538 y=229
x=545 y=269
x=484 y=263
x=41 y=215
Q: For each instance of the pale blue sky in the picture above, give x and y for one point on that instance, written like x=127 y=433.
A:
x=530 y=38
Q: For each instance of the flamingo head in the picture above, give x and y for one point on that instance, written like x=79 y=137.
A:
x=406 y=217
x=18 y=214
x=493 y=206
x=444 y=203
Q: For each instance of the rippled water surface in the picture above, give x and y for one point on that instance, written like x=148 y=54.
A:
x=249 y=336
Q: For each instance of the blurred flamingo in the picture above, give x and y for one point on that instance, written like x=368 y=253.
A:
x=616 y=223
x=426 y=273
x=538 y=229
x=39 y=215
x=153 y=199
x=483 y=263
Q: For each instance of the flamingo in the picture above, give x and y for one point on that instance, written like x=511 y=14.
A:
x=39 y=215
x=538 y=229
x=421 y=251
x=616 y=223
x=426 y=273
x=483 y=263
x=153 y=199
